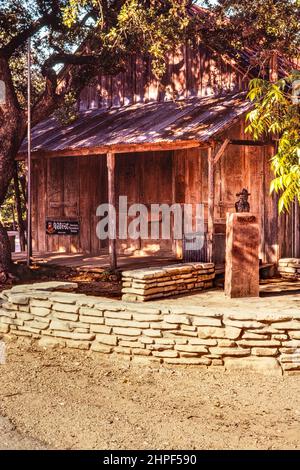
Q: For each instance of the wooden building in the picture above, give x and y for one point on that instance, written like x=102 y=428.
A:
x=181 y=140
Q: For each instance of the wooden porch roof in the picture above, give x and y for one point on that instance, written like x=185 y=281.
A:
x=147 y=126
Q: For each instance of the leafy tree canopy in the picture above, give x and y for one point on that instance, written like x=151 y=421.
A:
x=276 y=112
x=92 y=35
x=262 y=25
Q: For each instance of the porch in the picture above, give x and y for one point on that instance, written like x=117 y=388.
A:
x=188 y=152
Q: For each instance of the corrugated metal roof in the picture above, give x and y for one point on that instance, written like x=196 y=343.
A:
x=193 y=119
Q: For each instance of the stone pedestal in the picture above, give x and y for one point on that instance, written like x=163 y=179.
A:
x=242 y=261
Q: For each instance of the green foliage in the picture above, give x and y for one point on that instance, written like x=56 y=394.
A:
x=261 y=25
x=152 y=27
x=276 y=113
x=8 y=212
x=68 y=113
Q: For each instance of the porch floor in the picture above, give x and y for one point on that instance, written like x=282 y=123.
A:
x=98 y=263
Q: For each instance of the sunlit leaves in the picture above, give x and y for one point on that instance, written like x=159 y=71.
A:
x=150 y=27
x=277 y=113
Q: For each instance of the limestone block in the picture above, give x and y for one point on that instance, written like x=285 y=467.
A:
x=159 y=347
x=166 y=341
x=189 y=361
x=84 y=345
x=97 y=347
x=226 y=343
x=66 y=308
x=11 y=321
x=37 y=324
x=181 y=333
x=90 y=312
x=91 y=320
x=101 y=329
x=196 y=311
x=248 y=343
x=7 y=314
x=141 y=352
x=177 y=319
x=107 y=339
x=45 y=286
x=289 y=325
x=75 y=336
x=284 y=358
x=264 y=365
x=148 y=317
x=190 y=348
x=60 y=326
x=166 y=353
x=294 y=334
x=40 y=303
x=66 y=316
x=250 y=335
x=29 y=329
x=164 y=326
x=146 y=340
x=65 y=298
x=126 y=323
x=152 y=333
x=132 y=344
x=10 y=307
x=209 y=321
x=40 y=311
x=202 y=341
x=121 y=315
x=211 y=332
x=21 y=333
x=24 y=308
x=128 y=331
x=242 y=261
x=230 y=351
x=264 y=351
x=48 y=342
x=217 y=362
x=4 y=328
x=24 y=316
x=244 y=324
x=122 y=350
x=19 y=299
x=143 y=309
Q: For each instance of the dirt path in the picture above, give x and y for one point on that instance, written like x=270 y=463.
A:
x=72 y=400
x=11 y=439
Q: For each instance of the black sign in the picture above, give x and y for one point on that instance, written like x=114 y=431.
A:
x=62 y=227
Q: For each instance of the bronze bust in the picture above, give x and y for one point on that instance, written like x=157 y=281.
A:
x=242 y=205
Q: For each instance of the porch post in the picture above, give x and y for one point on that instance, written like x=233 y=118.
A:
x=211 y=205
x=112 y=202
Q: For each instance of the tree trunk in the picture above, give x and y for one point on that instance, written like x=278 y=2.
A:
x=11 y=136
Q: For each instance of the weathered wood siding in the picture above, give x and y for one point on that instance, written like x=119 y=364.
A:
x=191 y=71
x=73 y=187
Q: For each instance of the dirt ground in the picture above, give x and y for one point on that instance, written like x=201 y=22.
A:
x=62 y=399
x=102 y=283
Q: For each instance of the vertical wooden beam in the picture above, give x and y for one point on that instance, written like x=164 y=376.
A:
x=112 y=201
x=211 y=205
x=273 y=73
x=296 y=228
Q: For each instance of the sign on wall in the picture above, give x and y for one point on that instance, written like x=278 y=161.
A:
x=62 y=227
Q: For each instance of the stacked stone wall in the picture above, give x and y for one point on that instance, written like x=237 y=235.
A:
x=289 y=268
x=186 y=334
x=153 y=283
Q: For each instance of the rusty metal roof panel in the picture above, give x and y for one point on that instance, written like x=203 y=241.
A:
x=191 y=119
